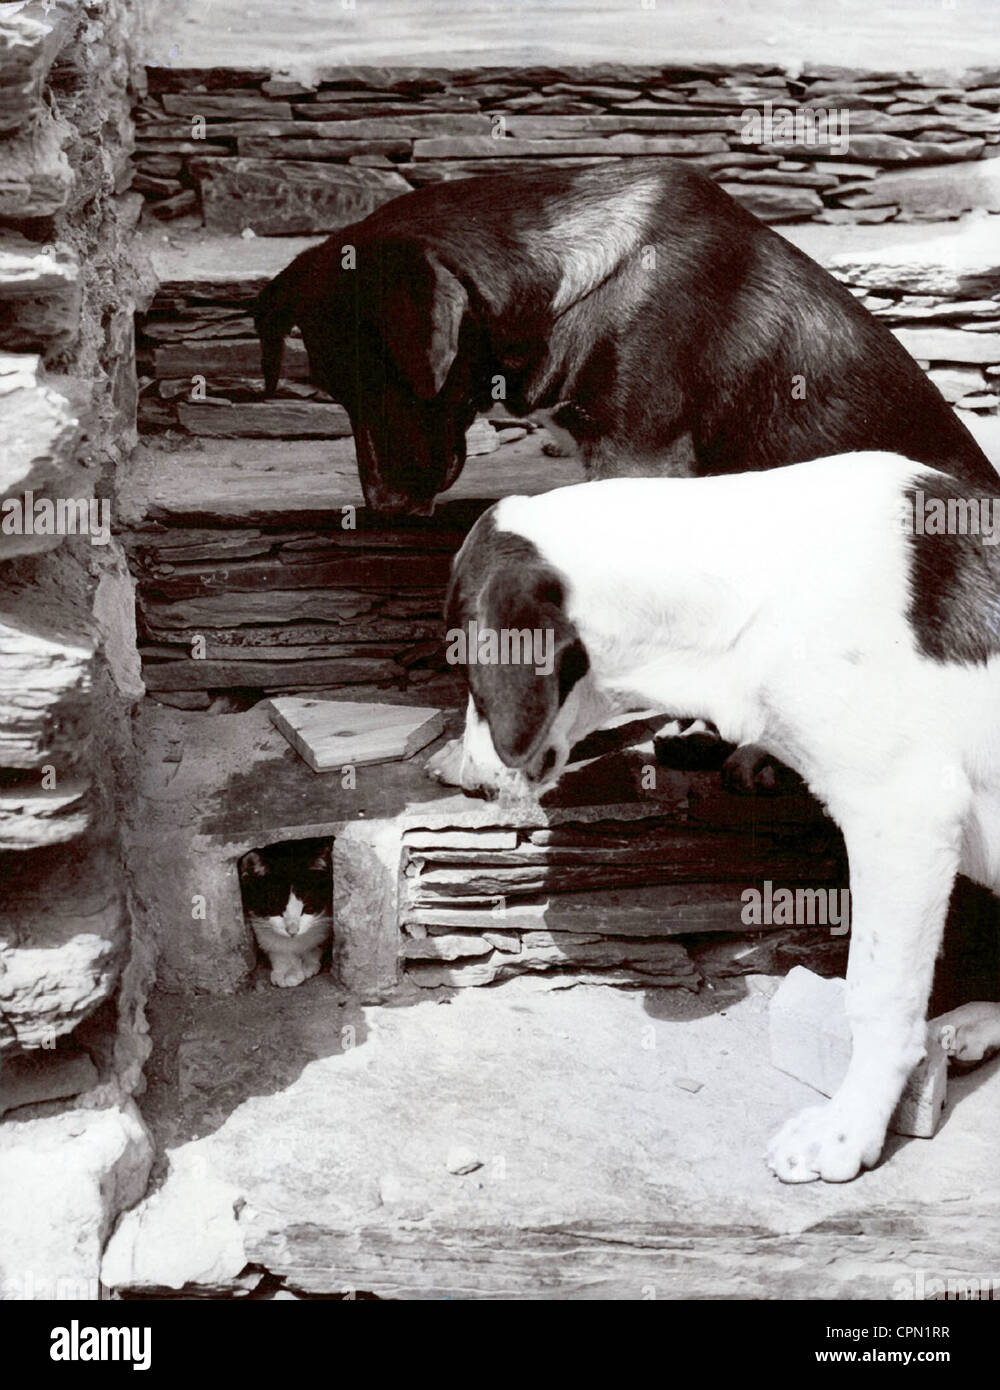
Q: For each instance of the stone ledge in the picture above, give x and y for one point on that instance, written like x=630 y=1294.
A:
x=245 y=482
x=326 y=1149
x=46 y=674
x=30 y=39
x=40 y=295
x=41 y=427
x=63 y=937
x=64 y=1180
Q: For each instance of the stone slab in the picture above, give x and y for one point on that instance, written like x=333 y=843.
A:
x=285 y=197
x=949 y=344
x=63 y=936
x=943 y=191
x=33 y=1077
x=240 y=481
x=64 y=1180
x=333 y=1136
x=206 y=266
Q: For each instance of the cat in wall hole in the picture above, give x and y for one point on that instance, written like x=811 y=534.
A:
x=288 y=902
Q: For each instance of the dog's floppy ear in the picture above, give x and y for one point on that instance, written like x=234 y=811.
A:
x=423 y=307
x=275 y=314
x=519 y=700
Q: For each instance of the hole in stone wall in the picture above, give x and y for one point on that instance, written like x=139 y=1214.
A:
x=286 y=889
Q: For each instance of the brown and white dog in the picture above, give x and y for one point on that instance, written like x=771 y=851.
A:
x=862 y=652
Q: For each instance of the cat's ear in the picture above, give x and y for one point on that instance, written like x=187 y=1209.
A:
x=252 y=865
x=322 y=862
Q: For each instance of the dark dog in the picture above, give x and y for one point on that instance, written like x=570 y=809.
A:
x=635 y=304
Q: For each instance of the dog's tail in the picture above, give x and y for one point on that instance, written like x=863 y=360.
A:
x=275 y=313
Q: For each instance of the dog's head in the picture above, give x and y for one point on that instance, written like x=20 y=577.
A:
x=390 y=335
x=530 y=699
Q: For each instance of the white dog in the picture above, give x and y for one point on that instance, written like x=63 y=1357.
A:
x=859 y=644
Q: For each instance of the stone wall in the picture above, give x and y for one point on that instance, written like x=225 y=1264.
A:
x=644 y=893
x=238 y=168
x=286 y=157
x=71 y=972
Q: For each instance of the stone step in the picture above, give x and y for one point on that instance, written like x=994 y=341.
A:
x=270 y=576
x=285 y=482
x=221 y=269
x=526 y=1142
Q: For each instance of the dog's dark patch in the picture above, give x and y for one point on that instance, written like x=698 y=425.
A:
x=501 y=580
x=954 y=578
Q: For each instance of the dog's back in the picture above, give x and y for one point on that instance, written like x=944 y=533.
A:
x=635 y=303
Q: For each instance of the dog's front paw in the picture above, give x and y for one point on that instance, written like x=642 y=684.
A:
x=823 y=1142
x=446 y=764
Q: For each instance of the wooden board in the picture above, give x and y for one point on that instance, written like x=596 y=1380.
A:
x=330 y=734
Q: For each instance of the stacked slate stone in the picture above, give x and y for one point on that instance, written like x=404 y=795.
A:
x=268 y=610
x=252 y=153
x=68 y=672
x=645 y=893
x=285 y=156
x=941 y=297
x=62 y=927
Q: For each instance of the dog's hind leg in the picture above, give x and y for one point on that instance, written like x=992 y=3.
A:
x=970 y=1034
x=903 y=848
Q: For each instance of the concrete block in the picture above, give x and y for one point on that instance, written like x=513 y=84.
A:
x=810 y=1038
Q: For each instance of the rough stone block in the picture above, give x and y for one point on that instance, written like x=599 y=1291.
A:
x=39 y=427
x=810 y=1038
x=36 y=178
x=45 y=682
x=942 y=191
x=30 y=37
x=39 y=295
x=193 y=895
x=282 y=197
x=64 y=1180
x=949 y=344
x=188 y=1234
x=30 y=816
x=62 y=940
x=956 y=382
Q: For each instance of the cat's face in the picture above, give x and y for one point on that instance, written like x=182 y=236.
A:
x=288 y=886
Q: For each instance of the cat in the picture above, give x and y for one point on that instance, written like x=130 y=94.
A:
x=288 y=901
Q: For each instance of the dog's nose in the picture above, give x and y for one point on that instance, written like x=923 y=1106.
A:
x=540 y=766
x=395 y=505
